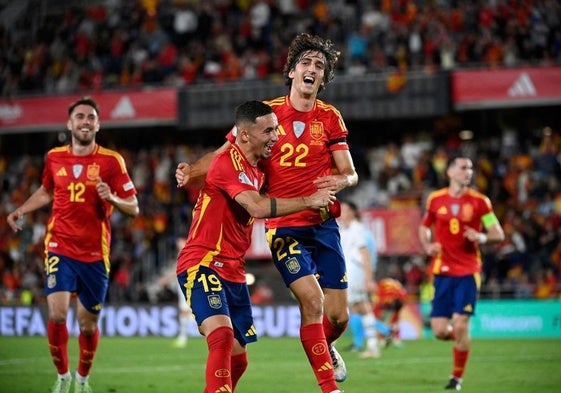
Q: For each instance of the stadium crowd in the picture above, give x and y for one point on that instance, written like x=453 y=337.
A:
x=120 y=44
x=127 y=44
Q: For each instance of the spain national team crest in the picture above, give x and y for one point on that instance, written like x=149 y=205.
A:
x=93 y=172
x=214 y=301
x=292 y=265
x=316 y=131
x=467 y=212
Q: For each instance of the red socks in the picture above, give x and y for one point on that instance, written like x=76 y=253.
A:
x=460 y=360
x=331 y=331
x=57 y=335
x=239 y=365
x=88 y=347
x=315 y=346
x=218 y=365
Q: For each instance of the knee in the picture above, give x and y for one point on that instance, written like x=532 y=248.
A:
x=442 y=332
x=340 y=319
x=312 y=304
x=88 y=329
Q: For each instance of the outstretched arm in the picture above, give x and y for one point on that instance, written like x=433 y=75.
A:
x=186 y=173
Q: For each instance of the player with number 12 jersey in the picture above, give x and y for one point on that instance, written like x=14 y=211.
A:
x=73 y=181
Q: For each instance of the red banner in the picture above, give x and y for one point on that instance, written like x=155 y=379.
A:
x=482 y=89
x=394 y=230
x=123 y=109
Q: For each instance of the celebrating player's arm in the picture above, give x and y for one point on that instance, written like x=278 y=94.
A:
x=259 y=206
x=345 y=176
x=186 y=173
x=128 y=205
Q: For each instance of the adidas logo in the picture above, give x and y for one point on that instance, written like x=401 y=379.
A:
x=61 y=172
x=325 y=367
x=123 y=109
x=522 y=87
x=251 y=331
x=224 y=388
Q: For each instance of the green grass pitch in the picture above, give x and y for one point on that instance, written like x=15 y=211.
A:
x=152 y=364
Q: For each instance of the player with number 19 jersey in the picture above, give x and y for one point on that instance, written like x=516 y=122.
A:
x=216 y=212
x=301 y=155
x=78 y=212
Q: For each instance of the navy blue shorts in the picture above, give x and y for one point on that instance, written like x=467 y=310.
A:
x=314 y=249
x=208 y=294
x=88 y=280
x=454 y=295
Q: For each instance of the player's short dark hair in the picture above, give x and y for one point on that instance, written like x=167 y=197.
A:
x=305 y=42
x=452 y=160
x=249 y=111
x=83 y=101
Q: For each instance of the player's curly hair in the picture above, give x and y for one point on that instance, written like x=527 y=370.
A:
x=305 y=42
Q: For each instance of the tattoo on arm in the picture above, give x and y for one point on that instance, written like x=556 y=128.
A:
x=273 y=207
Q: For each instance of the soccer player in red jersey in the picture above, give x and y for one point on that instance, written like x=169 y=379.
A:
x=211 y=265
x=85 y=182
x=312 y=152
x=389 y=299
x=457 y=216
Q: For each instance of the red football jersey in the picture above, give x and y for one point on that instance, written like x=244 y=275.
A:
x=389 y=290
x=302 y=154
x=450 y=216
x=220 y=232
x=79 y=225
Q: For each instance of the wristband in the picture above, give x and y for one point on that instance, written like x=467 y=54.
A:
x=481 y=238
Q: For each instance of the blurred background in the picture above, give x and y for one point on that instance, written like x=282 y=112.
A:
x=417 y=81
